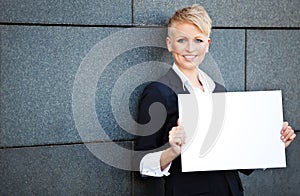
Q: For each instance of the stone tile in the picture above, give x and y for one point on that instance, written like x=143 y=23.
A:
x=225 y=62
x=276 y=181
x=40 y=70
x=60 y=170
x=223 y=13
x=118 y=12
x=272 y=64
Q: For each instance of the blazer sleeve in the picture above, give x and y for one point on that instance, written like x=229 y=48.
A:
x=156 y=92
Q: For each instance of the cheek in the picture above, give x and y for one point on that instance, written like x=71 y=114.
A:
x=202 y=49
x=178 y=48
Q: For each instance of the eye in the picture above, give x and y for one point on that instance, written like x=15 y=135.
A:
x=198 y=40
x=181 y=40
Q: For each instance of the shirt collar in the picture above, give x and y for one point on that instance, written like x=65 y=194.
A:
x=207 y=82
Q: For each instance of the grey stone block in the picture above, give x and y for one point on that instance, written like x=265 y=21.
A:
x=93 y=12
x=272 y=64
x=60 y=170
x=276 y=182
x=223 y=13
x=225 y=62
x=38 y=69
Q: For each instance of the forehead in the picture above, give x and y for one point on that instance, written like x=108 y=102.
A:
x=185 y=29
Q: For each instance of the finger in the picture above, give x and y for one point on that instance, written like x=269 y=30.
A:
x=284 y=126
x=289 y=141
x=286 y=131
x=176 y=141
x=176 y=131
x=178 y=122
x=179 y=125
x=293 y=136
x=181 y=136
x=289 y=136
x=180 y=132
x=179 y=128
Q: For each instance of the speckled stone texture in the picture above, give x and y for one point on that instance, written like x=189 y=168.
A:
x=93 y=12
x=38 y=67
x=224 y=13
x=227 y=56
x=60 y=170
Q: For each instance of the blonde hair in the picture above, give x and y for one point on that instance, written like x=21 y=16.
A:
x=194 y=14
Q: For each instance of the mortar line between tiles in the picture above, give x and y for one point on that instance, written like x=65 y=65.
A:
x=63 y=144
x=134 y=25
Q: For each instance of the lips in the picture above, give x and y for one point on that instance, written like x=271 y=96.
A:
x=189 y=57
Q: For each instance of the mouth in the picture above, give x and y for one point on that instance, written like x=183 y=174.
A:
x=189 y=57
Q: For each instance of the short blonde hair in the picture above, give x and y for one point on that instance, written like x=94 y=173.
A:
x=194 y=14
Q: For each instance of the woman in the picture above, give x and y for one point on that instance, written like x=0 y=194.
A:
x=188 y=41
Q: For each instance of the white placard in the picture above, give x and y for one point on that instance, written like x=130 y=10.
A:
x=235 y=130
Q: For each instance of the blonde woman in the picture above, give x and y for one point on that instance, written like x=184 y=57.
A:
x=188 y=41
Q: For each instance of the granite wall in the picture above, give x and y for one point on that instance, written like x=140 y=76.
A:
x=71 y=73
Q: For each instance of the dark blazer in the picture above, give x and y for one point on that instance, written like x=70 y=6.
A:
x=165 y=91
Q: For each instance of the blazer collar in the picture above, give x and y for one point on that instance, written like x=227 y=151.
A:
x=173 y=81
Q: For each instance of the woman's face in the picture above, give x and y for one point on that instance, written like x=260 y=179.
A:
x=187 y=45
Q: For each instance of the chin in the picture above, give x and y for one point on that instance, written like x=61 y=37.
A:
x=190 y=66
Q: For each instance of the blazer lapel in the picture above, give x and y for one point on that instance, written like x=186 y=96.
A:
x=173 y=81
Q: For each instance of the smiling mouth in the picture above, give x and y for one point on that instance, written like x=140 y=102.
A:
x=189 y=57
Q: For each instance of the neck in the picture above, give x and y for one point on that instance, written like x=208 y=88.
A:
x=192 y=75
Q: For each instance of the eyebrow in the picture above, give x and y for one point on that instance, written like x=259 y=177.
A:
x=196 y=37
x=200 y=36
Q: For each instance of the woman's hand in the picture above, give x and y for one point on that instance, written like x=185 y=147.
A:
x=287 y=134
x=177 y=138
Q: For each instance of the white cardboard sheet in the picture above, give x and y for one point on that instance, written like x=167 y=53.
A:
x=235 y=130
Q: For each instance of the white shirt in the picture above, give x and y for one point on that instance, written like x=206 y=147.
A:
x=150 y=163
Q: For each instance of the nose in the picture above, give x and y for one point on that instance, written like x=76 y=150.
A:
x=190 y=47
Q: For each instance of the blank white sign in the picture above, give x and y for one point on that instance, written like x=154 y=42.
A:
x=235 y=130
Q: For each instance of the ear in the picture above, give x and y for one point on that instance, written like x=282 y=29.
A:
x=168 y=42
x=207 y=46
